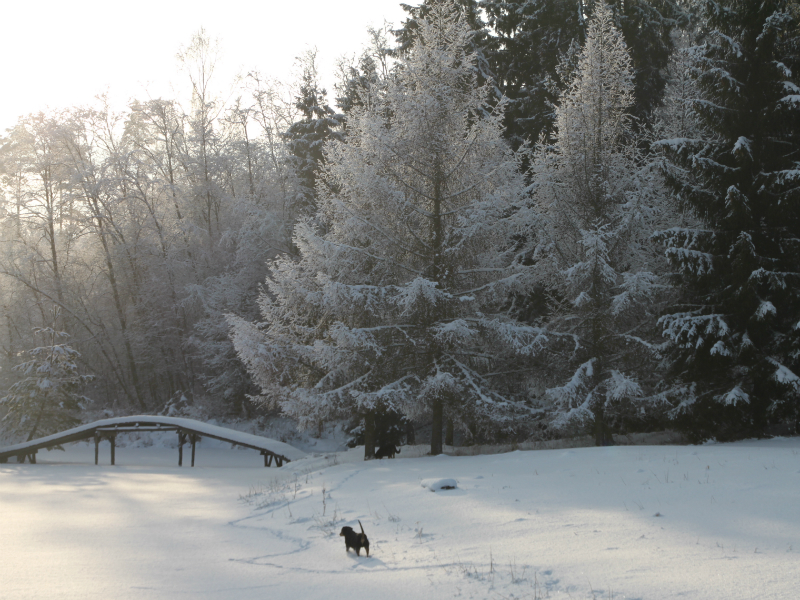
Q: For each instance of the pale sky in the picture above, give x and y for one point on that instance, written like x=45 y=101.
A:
x=61 y=53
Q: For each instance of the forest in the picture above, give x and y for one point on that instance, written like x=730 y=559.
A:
x=509 y=219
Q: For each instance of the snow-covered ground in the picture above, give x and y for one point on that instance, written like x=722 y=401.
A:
x=719 y=521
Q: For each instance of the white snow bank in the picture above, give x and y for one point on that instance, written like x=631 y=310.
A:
x=436 y=485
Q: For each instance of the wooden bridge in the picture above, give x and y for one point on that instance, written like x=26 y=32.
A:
x=188 y=430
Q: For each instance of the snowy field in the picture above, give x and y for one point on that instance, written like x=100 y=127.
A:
x=651 y=522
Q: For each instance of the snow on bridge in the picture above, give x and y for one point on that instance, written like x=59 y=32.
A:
x=188 y=430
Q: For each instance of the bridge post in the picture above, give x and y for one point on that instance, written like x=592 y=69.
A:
x=181 y=442
x=113 y=439
x=96 y=447
x=193 y=439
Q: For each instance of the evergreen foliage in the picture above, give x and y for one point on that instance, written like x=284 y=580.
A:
x=598 y=201
x=440 y=270
x=408 y=33
x=391 y=427
x=306 y=138
x=357 y=83
x=530 y=39
x=46 y=399
x=361 y=82
x=395 y=302
x=734 y=338
x=649 y=28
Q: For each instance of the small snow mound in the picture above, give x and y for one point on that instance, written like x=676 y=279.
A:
x=435 y=485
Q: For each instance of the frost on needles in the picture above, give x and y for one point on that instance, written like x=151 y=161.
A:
x=396 y=298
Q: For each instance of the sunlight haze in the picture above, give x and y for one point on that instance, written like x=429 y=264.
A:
x=61 y=54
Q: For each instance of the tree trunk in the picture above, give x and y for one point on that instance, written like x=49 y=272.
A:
x=411 y=436
x=437 y=276
x=599 y=426
x=10 y=326
x=123 y=321
x=448 y=436
x=436 y=427
x=42 y=406
x=369 y=435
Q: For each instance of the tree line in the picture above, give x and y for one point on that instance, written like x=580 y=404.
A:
x=546 y=217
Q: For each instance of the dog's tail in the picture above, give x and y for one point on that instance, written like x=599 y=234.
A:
x=362 y=527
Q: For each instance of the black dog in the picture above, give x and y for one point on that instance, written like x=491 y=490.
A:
x=386 y=451
x=354 y=540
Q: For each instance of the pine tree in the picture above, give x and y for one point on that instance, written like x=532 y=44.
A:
x=47 y=398
x=530 y=38
x=356 y=82
x=735 y=338
x=407 y=35
x=306 y=138
x=396 y=301
x=599 y=202
x=649 y=28
x=361 y=82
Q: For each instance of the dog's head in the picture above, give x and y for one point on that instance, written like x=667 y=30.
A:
x=346 y=531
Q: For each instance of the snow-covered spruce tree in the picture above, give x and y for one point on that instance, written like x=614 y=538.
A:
x=599 y=203
x=46 y=399
x=734 y=338
x=529 y=38
x=306 y=138
x=359 y=80
x=395 y=300
x=678 y=117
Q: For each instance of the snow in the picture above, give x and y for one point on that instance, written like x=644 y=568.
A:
x=735 y=396
x=785 y=375
x=791 y=87
x=720 y=349
x=742 y=145
x=620 y=386
x=717 y=521
x=437 y=485
x=765 y=309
